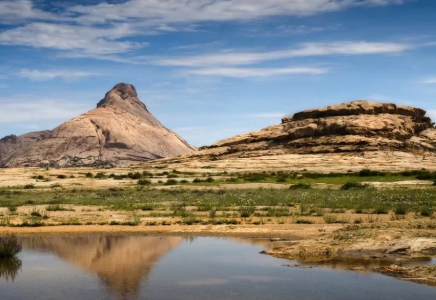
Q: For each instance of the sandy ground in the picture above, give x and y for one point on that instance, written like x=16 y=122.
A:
x=272 y=230
x=324 y=163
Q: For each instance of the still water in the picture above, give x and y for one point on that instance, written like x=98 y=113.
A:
x=150 y=267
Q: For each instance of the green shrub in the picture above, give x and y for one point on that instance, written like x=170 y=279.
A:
x=300 y=186
x=369 y=173
x=246 y=211
x=330 y=218
x=426 y=211
x=304 y=221
x=355 y=186
x=89 y=175
x=144 y=182
x=401 y=210
x=171 y=182
x=29 y=186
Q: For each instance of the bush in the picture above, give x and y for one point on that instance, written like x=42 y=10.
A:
x=136 y=175
x=171 y=182
x=89 y=175
x=426 y=211
x=210 y=179
x=29 y=186
x=369 y=173
x=12 y=208
x=355 y=186
x=62 y=176
x=246 y=211
x=401 y=210
x=300 y=186
x=304 y=221
x=100 y=175
x=144 y=182
x=330 y=218
x=9 y=246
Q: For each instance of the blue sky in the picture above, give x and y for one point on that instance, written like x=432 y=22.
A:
x=210 y=69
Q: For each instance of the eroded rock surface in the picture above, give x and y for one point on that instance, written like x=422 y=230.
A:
x=358 y=126
x=120 y=131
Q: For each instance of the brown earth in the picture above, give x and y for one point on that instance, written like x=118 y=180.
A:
x=120 y=131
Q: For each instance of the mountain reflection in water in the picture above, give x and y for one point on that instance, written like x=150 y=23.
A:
x=121 y=262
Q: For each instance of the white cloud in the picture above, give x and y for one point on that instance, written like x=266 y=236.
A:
x=178 y=11
x=87 y=40
x=19 y=11
x=309 y=49
x=253 y=72
x=29 y=110
x=271 y=115
x=429 y=81
x=41 y=75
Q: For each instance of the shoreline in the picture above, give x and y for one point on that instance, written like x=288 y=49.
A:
x=272 y=231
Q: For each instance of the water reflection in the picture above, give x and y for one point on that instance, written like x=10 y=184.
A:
x=9 y=268
x=122 y=262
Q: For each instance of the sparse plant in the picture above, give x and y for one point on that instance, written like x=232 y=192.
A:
x=356 y=186
x=144 y=182
x=9 y=246
x=304 y=221
x=300 y=186
x=330 y=218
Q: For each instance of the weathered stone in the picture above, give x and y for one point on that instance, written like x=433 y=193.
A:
x=119 y=131
x=359 y=126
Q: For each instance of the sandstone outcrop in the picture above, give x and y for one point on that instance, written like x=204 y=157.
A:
x=357 y=126
x=120 y=131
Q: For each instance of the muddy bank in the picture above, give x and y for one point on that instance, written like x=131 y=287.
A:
x=374 y=244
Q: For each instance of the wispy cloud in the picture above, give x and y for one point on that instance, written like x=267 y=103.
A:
x=253 y=72
x=429 y=81
x=179 y=11
x=29 y=110
x=308 y=49
x=12 y=12
x=41 y=75
x=84 y=39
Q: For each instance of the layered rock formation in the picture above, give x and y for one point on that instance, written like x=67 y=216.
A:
x=120 y=131
x=349 y=127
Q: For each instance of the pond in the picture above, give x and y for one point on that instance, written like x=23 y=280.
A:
x=166 y=267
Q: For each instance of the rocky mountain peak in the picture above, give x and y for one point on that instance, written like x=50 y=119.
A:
x=120 y=131
x=123 y=97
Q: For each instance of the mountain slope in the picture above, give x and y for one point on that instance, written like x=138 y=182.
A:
x=120 y=131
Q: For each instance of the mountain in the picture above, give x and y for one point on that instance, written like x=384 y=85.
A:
x=120 y=131
x=354 y=127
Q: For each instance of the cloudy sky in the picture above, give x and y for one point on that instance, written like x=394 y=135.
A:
x=209 y=69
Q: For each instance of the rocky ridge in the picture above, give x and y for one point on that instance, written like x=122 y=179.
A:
x=358 y=126
x=120 y=131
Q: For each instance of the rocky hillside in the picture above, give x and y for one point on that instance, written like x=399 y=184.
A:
x=358 y=126
x=120 y=131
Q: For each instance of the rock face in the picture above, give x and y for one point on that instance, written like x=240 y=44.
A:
x=120 y=131
x=349 y=127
